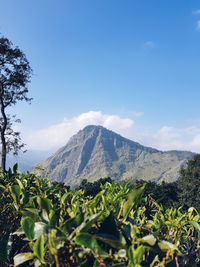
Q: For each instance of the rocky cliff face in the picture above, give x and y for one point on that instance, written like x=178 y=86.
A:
x=96 y=152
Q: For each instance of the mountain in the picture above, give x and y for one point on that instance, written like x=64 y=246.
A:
x=96 y=152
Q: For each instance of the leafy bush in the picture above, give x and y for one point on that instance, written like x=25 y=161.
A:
x=189 y=184
x=92 y=189
x=50 y=225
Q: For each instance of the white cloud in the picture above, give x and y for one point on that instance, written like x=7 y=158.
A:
x=57 y=135
x=167 y=138
x=149 y=44
x=164 y=138
x=196 y=142
x=171 y=138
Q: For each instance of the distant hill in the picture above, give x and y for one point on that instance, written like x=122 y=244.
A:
x=27 y=161
x=96 y=152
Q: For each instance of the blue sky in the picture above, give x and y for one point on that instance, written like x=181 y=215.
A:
x=132 y=66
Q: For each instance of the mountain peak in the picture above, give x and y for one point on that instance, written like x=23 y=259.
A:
x=92 y=127
x=95 y=128
x=96 y=152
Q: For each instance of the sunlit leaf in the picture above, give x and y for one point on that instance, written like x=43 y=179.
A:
x=133 y=199
x=38 y=248
x=28 y=225
x=23 y=257
x=15 y=192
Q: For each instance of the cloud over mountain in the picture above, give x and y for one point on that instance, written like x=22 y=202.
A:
x=165 y=137
x=57 y=135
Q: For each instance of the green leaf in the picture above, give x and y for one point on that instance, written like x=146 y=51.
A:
x=28 y=225
x=72 y=223
x=65 y=197
x=110 y=240
x=149 y=239
x=122 y=253
x=88 y=241
x=139 y=253
x=53 y=218
x=87 y=223
x=38 y=248
x=20 y=184
x=15 y=192
x=165 y=245
x=23 y=257
x=136 y=255
x=196 y=226
x=30 y=212
x=15 y=168
x=132 y=200
x=44 y=203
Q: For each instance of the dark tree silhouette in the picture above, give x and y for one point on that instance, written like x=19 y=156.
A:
x=189 y=184
x=91 y=189
x=15 y=73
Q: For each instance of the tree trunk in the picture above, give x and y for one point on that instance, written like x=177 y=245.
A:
x=3 y=152
x=3 y=139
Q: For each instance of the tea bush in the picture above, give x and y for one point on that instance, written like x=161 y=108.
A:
x=46 y=224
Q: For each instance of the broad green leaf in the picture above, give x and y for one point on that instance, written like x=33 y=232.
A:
x=136 y=255
x=149 y=239
x=45 y=216
x=88 y=241
x=23 y=257
x=20 y=184
x=165 y=245
x=65 y=197
x=122 y=253
x=44 y=203
x=38 y=248
x=53 y=218
x=28 y=225
x=15 y=192
x=196 y=225
x=133 y=199
x=30 y=212
x=139 y=254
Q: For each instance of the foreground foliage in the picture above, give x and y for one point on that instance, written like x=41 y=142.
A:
x=46 y=224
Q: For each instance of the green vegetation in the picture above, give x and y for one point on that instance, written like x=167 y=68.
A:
x=189 y=184
x=15 y=73
x=46 y=224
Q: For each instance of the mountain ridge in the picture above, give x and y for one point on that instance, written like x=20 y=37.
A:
x=96 y=152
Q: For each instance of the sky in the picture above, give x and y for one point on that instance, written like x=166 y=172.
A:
x=132 y=66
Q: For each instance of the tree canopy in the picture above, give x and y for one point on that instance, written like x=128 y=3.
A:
x=189 y=183
x=15 y=74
